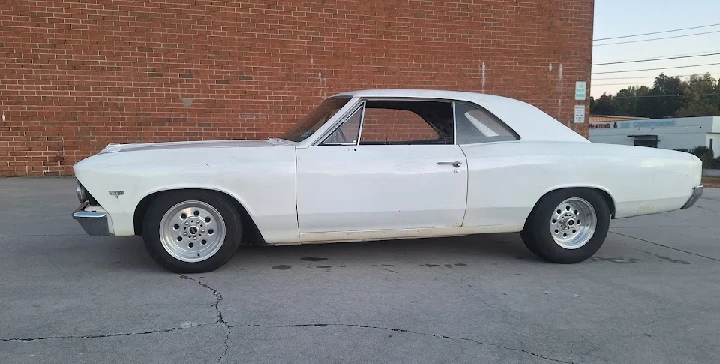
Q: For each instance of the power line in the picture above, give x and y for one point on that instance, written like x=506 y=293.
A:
x=612 y=84
x=649 y=96
x=714 y=53
x=648 y=78
x=653 y=33
x=660 y=38
x=656 y=69
x=641 y=77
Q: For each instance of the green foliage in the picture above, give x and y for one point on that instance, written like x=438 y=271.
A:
x=706 y=156
x=603 y=106
x=698 y=102
x=669 y=97
x=627 y=100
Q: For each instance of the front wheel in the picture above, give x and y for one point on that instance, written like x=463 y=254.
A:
x=567 y=226
x=191 y=231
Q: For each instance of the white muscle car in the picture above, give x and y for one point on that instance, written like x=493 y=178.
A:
x=381 y=164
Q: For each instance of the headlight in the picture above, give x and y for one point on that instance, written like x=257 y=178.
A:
x=82 y=193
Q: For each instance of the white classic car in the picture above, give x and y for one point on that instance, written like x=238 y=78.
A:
x=381 y=164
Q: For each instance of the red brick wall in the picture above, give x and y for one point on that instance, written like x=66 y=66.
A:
x=77 y=75
x=395 y=125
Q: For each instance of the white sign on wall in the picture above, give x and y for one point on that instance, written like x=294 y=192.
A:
x=580 y=90
x=579 y=114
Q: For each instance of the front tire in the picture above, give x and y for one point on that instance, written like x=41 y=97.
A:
x=567 y=226
x=191 y=231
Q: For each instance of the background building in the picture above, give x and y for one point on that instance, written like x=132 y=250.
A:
x=594 y=118
x=678 y=133
x=78 y=75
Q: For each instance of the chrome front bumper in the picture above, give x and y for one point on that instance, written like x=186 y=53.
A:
x=95 y=223
x=696 y=193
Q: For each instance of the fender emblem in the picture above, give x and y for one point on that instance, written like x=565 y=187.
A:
x=117 y=194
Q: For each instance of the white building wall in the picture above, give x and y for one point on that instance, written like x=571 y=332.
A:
x=676 y=133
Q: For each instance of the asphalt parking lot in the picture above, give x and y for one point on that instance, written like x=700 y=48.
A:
x=650 y=295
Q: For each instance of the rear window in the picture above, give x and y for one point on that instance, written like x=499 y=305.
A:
x=477 y=125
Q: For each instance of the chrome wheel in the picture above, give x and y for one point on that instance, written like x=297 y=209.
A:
x=192 y=231
x=573 y=223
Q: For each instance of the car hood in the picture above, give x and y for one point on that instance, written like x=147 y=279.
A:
x=115 y=148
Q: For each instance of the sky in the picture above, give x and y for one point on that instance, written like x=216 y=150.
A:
x=617 y=18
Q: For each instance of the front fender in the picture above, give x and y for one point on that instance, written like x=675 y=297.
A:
x=262 y=180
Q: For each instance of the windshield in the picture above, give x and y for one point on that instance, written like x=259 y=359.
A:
x=315 y=119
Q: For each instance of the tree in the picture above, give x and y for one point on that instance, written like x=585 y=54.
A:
x=602 y=106
x=705 y=154
x=669 y=97
x=627 y=100
x=664 y=99
x=700 y=98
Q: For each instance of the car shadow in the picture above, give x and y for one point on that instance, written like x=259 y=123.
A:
x=489 y=247
x=125 y=253
x=130 y=254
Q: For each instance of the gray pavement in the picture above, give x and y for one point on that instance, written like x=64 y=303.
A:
x=650 y=295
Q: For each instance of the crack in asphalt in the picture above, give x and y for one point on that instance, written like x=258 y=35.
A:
x=666 y=246
x=706 y=208
x=228 y=327
x=661 y=226
x=42 y=235
x=220 y=319
x=419 y=333
x=100 y=336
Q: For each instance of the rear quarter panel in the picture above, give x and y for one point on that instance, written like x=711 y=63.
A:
x=506 y=179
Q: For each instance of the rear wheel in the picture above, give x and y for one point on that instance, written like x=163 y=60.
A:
x=567 y=226
x=191 y=231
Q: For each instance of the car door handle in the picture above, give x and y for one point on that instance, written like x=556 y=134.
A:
x=454 y=164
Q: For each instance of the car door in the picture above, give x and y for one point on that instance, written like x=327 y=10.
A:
x=389 y=165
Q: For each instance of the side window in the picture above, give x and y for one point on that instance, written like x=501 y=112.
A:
x=348 y=132
x=477 y=125
x=407 y=122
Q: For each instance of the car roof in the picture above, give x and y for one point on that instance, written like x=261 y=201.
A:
x=531 y=123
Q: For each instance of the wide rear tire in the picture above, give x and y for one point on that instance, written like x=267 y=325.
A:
x=191 y=231
x=567 y=226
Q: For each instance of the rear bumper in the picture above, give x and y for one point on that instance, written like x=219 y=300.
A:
x=95 y=223
x=696 y=193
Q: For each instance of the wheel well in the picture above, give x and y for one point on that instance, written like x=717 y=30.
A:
x=251 y=233
x=605 y=195
x=608 y=199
